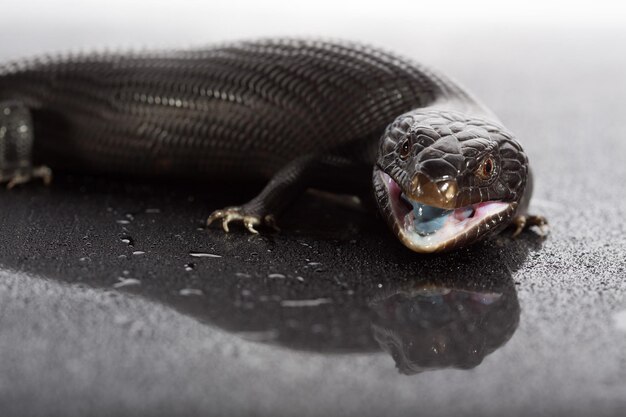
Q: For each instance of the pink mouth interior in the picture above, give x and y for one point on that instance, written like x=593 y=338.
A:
x=449 y=224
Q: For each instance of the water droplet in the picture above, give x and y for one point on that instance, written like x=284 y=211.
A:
x=128 y=240
x=152 y=210
x=138 y=252
x=242 y=275
x=305 y=303
x=126 y=282
x=190 y=266
x=190 y=291
x=276 y=276
x=122 y=221
x=129 y=216
x=84 y=259
x=125 y=272
x=314 y=263
x=204 y=255
x=380 y=285
x=300 y=279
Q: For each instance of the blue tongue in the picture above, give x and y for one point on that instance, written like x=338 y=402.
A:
x=428 y=219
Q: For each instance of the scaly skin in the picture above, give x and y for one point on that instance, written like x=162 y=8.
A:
x=296 y=113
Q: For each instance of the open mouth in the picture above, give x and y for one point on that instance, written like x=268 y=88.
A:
x=426 y=228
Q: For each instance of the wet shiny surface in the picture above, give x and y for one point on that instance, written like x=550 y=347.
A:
x=114 y=300
x=337 y=283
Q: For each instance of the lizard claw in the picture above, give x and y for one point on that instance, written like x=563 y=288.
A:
x=227 y=215
x=270 y=221
x=541 y=222
x=217 y=214
x=250 y=222
x=27 y=175
x=524 y=222
x=520 y=223
x=17 y=180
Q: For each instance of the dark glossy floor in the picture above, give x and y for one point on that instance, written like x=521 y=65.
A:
x=115 y=300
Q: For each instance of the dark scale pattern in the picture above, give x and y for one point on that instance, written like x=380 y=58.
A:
x=297 y=113
x=452 y=145
x=449 y=145
x=244 y=109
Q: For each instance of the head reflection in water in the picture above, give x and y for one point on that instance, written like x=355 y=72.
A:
x=426 y=327
x=423 y=324
x=449 y=312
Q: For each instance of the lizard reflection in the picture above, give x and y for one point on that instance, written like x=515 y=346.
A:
x=427 y=327
x=370 y=295
x=442 y=320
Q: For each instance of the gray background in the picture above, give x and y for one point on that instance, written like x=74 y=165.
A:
x=72 y=344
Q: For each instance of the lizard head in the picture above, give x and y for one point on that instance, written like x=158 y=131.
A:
x=443 y=180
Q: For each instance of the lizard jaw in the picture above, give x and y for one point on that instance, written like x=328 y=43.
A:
x=425 y=229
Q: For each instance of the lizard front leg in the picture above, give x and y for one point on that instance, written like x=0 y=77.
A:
x=330 y=173
x=284 y=187
x=16 y=146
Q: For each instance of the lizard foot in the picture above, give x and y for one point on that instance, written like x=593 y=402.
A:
x=23 y=176
x=524 y=222
x=16 y=146
x=250 y=221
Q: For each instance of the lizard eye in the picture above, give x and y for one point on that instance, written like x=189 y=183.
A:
x=486 y=169
x=405 y=148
